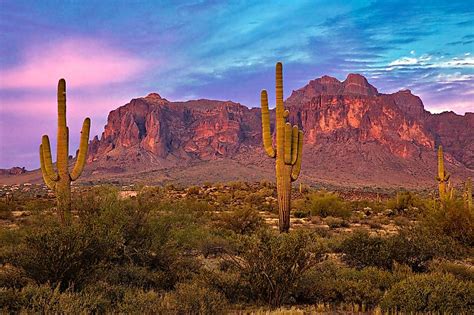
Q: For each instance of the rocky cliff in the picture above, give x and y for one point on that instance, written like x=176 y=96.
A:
x=353 y=135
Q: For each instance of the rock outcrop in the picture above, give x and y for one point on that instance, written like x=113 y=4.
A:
x=352 y=132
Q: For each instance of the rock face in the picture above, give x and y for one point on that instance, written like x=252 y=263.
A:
x=153 y=129
x=353 y=134
x=12 y=171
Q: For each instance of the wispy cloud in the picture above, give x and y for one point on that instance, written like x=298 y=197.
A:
x=84 y=62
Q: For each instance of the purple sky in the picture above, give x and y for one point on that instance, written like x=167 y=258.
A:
x=112 y=51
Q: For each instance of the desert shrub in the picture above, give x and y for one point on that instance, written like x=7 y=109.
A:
x=453 y=219
x=336 y=222
x=133 y=276
x=327 y=204
x=11 y=277
x=362 y=250
x=273 y=264
x=227 y=280
x=243 y=220
x=60 y=255
x=459 y=270
x=366 y=206
x=403 y=201
x=438 y=293
x=196 y=298
x=329 y=282
x=5 y=211
x=45 y=299
x=238 y=185
x=38 y=205
x=301 y=214
x=150 y=197
x=414 y=247
x=194 y=190
x=136 y=301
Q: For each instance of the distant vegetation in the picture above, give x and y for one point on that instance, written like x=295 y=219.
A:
x=214 y=249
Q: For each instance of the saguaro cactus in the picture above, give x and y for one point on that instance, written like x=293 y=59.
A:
x=443 y=176
x=468 y=193
x=289 y=149
x=60 y=181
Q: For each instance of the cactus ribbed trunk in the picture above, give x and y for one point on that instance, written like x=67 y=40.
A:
x=63 y=196
x=284 y=195
x=289 y=149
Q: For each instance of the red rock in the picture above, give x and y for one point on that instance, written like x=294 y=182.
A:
x=359 y=129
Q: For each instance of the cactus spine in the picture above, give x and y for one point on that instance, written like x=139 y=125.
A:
x=60 y=181
x=289 y=149
x=443 y=177
x=468 y=193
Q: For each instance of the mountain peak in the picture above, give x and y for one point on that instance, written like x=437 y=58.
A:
x=153 y=96
x=356 y=84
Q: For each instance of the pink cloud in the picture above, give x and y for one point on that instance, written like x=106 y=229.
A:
x=82 y=62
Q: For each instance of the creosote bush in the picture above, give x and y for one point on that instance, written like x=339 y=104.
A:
x=242 y=220
x=431 y=293
x=274 y=264
x=326 y=204
x=415 y=247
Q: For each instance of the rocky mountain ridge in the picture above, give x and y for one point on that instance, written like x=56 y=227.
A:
x=354 y=135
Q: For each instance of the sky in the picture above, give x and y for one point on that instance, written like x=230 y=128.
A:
x=112 y=51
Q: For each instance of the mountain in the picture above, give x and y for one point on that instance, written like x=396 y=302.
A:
x=354 y=136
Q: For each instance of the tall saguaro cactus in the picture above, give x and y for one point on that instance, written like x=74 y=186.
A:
x=443 y=176
x=468 y=193
x=60 y=181
x=289 y=149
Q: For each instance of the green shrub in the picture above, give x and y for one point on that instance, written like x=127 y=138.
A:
x=404 y=201
x=414 y=247
x=242 y=220
x=438 y=293
x=459 y=270
x=60 y=255
x=195 y=298
x=453 y=219
x=137 y=301
x=362 y=250
x=38 y=205
x=336 y=222
x=331 y=283
x=5 y=211
x=327 y=204
x=273 y=264
x=301 y=214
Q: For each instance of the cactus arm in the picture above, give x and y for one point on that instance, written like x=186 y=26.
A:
x=82 y=152
x=62 y=141
x=294 y=145
x=280 y=112
x=288 y=145
x=295 y=172
x=266 y=133
x=47 y=180
x=47 y=160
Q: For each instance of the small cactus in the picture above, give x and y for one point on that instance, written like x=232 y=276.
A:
x=60 y=181
x=289 y=149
